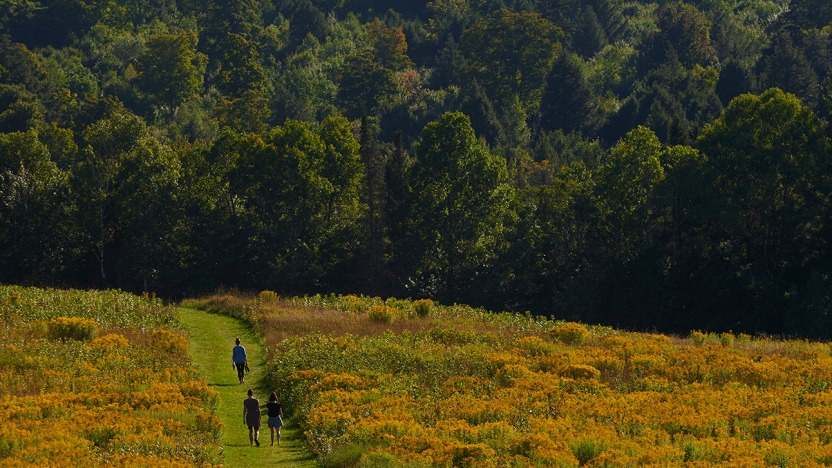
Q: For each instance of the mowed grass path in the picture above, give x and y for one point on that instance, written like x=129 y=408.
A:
x=212 y=337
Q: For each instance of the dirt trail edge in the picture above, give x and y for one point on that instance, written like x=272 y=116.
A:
x=212 y=337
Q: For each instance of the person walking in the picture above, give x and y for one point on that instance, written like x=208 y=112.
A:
x=251 y=417
x=275 y=416
x=238 y=360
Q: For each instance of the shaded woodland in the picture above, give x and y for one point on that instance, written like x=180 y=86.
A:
x=644 y=165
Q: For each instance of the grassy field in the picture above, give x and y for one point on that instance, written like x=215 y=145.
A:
x=211 y=339
x=397 y=383
x=99 y=378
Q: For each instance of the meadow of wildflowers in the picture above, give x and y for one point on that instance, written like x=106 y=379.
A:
x=457 y=386
x=99 y=378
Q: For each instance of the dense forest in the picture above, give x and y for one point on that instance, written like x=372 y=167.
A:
x=644 y=165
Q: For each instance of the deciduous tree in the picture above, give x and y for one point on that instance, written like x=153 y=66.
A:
x=459 y=194
x=170 y=70
x=510 y=54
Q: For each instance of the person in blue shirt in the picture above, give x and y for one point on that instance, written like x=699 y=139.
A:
x=238 y=360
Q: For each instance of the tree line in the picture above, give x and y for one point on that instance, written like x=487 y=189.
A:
x=653 y=166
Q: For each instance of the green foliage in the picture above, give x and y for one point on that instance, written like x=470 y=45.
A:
x=769 y=150
x=170 y=68
x=630 y=176
x=786 y=67
x=345 y=455
x=178 y=148
x=109 y=309
x=240 y=71
x=33 y=190
x=591 y=36
x=568 y=103
x=586 y=449
x=363 y=83
x=510 y=53
x=459 y=192
x=684 y=30
x=21 y=109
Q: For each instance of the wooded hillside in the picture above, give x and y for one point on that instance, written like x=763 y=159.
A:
x=644 y=165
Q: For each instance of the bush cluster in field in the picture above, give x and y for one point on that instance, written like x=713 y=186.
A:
x=464 y=387
x=99 y=378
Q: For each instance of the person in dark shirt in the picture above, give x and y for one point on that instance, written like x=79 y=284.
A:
x=251 y=417
x=275 y=416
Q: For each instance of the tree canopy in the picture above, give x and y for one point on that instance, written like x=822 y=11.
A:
x=647 y=165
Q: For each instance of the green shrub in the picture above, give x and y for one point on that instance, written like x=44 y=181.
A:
x=72 y=328
x=693 y=451
x=382 y=314
x=570 y=333
x=586 y=449
x=778 y=458
x=698 y=337
x=344 y=455
x=422 y=307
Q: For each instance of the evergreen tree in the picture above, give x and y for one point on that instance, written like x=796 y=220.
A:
x=484 y=118
x=374 y=198
x=785 y=66
x=610 y=13
x=397 y=216
x=568 y=103
x=734 y=79
x=590 y=37
x=817 y=47
x=451 y=65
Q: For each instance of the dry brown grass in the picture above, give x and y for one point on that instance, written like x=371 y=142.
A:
x=279 y=319
x=227 y=302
